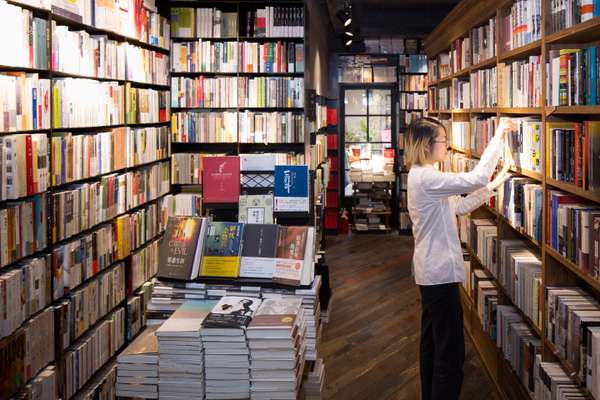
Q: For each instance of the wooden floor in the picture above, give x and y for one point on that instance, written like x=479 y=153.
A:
x=371 y=343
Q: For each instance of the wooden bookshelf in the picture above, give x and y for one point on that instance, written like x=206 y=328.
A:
x=556 y=269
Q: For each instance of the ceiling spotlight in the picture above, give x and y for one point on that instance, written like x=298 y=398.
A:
x=348 y=42
x=349 y=33
x=344 y=17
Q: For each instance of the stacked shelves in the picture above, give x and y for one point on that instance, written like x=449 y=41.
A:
x=84 y=183
x=372 y=206
x=554 y=190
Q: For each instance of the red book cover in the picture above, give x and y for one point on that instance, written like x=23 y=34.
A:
x=221 y=179
x=331 y=116
x=29 y=164
x=585 y=156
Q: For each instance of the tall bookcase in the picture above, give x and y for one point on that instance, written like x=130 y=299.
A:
x=91 y=268
x=557 y=270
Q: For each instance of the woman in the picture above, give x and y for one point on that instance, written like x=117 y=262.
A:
x=433 y=203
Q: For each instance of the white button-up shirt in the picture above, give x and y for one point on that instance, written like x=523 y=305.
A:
x=434 y=201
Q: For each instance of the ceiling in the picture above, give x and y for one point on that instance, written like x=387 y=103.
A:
x=392 y=17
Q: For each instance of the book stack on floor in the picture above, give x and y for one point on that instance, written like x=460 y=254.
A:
x=181 y=352
x=315 y=381
x=224 y=339
x=276 y=342
x=137 y=367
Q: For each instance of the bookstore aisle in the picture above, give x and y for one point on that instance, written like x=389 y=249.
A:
x=371 y=342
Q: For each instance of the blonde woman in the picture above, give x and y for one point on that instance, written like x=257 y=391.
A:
x=434 y=201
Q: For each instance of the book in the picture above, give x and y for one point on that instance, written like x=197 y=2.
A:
x=461 y=91
x=187 y=320
x=291 y=191
x=222 y=249
x=275 y=22
x=519 y=83
x=182 y=247
x=146 y=66
x=572 y=76
x=484 y=88
x=186 y=168
x=271 y=57
x=522 y=25
x=460 y=54
x=146 y=106
x=221 y=179
x=24 y=38
x=259 y=251
x=24 y=165
x=569 y=13
x=183 y=204
x=145 y=145
x=204 y=127
x=204 y=56
x=271 y=127
x=413 y=83
x=270 y=92
x=292 y=244
x=137 y=365
x=413 y=101
x=144 y=265
x=256 y=209
x=230 y=313
x=27 y=102
x=520 y=201
x=483 y=41
x=278 y=315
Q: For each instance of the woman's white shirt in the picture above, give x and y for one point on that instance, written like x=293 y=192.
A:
x=433 y=202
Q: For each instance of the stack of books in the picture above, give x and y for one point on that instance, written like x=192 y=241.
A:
x=315 y=381
x=137 y=367
x=275 y=339
x=181 y=353
x=224 y=340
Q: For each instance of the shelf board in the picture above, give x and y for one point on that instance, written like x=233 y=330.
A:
x=90 y=128
x=271 y=39
x=584 y=32
x=22 y=198
x=461 y=111
x=462 y=72
x=180 y=39
x=521 y=52
x=520 y=110
x=355 y=211
x=488 y=110
x=46 y=130
x=490 y=62
x=12 y=68
x=530 y=174
x=572 y=110
x=444 y=111
x=590 y=280
x=568 y=187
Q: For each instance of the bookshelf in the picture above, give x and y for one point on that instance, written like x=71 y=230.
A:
x=79 y=179
x=557 y=269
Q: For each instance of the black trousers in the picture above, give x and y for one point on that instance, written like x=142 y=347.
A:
x=442 y=342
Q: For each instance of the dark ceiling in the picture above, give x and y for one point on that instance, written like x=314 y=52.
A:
x=392 y=17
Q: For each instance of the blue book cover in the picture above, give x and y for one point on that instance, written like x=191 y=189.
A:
x=592 y=67
x=538 y=214
x=291 y=192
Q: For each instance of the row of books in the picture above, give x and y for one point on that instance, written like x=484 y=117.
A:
x=23 y=165
x=87 y=102
x=505 y=326
x=273 y=57
x=183 y=204
x=25 y=290
x=136 y=308
x=573 y=230
x=147 y=183
x=482 y=130
x=573 y=153
x=43 y=386
x=526 y=144
x=203 y=23
x=552 y=381
x=26 y=352
x=204 y=127
x=439 y=98
x=92 y=351
x=520 y=202
x=205 y=56
x=461 y=94
x=143 y=265
x=132 y=19
x=567 y=13
x=26 y=100
x=572 y=76
x=519 y=83
x=91 y=302
x=413 y=101
x=146 y=106
x=459 y=162
x=275 y=22
x=146 y=66
x=282 y=127
x=483 y=86
x=523 y=24
x=22 y=228
x=461 y=54
x=392 y=45
x=229 y=249
x=23 y=38
x=413 y=82
x=406 y=117
x=102 y=385
x=572 y=326
x=85 y=256
x=483 y=42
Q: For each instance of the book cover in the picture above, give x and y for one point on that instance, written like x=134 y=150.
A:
x=187 y=320
x=144 y=349
x=291 y=188
x=232 y=312
x=256 y=209
x=291 y=244
x=180 y=252
x=222 y=250
x=259 y=251
x=221 y=179
x=277 y=313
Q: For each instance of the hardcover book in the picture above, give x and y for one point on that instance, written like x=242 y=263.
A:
x=277 y=313
x=222 y=250
x=291 y=188
x=260 y=249
x=221 y=179
x=232 y=313
x=291 y=246
x=256 y=209
x=181 y=248
x=187 y=320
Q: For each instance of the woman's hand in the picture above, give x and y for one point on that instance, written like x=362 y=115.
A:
x=505 y=126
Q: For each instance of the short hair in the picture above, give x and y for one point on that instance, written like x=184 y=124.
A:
x=421 y=134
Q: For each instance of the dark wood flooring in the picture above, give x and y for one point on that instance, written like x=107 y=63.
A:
x=371 y=343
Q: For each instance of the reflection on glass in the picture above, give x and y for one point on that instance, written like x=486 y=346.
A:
x=380 y=129
x=355 y=102
x=356 y=129
x=380 y=101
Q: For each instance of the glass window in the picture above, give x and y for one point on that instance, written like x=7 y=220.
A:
x=355 y=102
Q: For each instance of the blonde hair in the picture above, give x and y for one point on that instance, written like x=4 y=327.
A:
x=421 y=134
